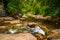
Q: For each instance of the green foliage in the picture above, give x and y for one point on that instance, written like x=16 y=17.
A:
x=42 y=7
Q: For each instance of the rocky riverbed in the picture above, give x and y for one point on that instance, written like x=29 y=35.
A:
x=15 y=29
x=7 y=23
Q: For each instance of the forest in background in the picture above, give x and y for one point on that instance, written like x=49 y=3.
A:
x=41 y=7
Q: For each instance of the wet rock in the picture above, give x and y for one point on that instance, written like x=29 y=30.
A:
x=23 y=19
x=52 y=35
x=39 y=16
x=32 y=23
x=18 y=25
x=42 y=17
x=3 y=27
x=21 y=36
x=13 y=21
x=2 y=13
x=38 y=36
x=57 y=31
x=30 y=15
x=44 y=28
x=6 y=18
x=24 y=16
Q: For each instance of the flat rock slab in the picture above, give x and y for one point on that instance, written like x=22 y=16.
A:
x=6 y=18
x=13 y=21
x=20 y=36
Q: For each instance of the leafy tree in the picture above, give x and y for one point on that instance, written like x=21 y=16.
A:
x=42 y=7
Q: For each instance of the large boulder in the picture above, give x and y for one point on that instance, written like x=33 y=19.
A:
x=20 y=36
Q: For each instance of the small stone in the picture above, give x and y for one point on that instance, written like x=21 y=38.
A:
x=31 y=15
x=6 y=18
x=32 y=23
x=24 y=16
x=18 y=25
x=13 y=21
